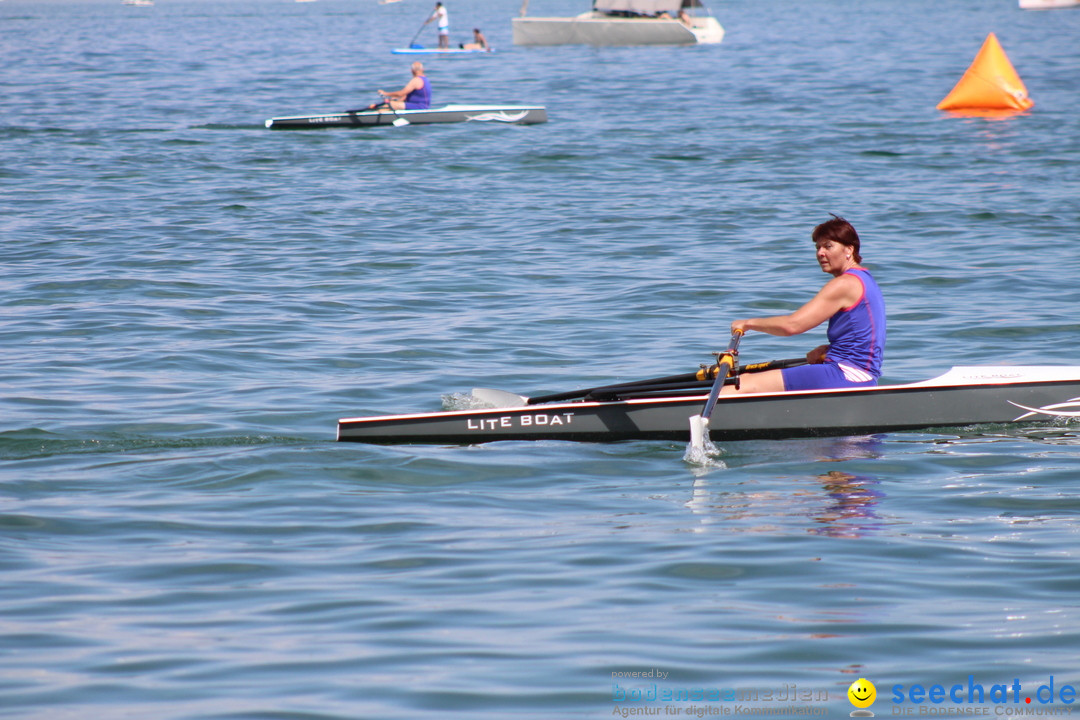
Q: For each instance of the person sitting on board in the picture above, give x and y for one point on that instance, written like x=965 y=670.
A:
x=443 y=25
x=479 y=41
x=416 y=95
x=855 y=309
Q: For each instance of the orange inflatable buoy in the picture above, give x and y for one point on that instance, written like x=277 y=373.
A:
x=991 y=83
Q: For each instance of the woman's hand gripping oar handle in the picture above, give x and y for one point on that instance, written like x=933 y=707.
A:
x=725 y=365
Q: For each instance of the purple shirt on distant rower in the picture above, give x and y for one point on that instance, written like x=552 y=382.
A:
x=420 y=98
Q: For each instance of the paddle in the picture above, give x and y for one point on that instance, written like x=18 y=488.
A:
x=412 y=43
x=673 y=382
x=699 y=424
x=502 y=398
x=398 y=122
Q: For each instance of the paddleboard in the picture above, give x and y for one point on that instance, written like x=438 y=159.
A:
x=439 y=51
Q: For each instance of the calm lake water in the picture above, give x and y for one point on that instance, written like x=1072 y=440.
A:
x=190 y=302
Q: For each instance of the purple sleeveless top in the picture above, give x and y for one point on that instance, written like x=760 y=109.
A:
x=857 y=333
x=419 y=99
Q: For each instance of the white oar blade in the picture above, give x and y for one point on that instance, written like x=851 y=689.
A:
x=700 y=450
x=499 y=398
x=699 y=431
x=400 y=122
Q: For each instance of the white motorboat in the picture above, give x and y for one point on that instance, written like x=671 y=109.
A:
x=623 y=22
x=1047 y=4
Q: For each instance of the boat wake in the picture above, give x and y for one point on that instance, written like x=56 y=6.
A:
x=464 y=401
x=34 y=443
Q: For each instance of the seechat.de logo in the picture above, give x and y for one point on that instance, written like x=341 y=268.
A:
x=862 y=694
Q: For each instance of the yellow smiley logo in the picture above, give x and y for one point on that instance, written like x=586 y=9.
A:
x=862 y=693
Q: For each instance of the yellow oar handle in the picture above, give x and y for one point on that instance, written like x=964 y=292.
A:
x=729 y=356
x=709 y=373
x=726 y=357
x=726 y=361
x=767 y=365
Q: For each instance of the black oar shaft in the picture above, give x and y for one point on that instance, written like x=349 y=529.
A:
x=770 y=365
x=411 y=42
x=573 y=394
x=726 y=361
x=640 y=391
x=622 y=393
x=702 y=376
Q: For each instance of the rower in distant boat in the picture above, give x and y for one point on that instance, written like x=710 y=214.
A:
x=855 y=309
x=416 y=95
x=479 y=41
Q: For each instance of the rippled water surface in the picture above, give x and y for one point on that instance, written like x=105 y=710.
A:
x=190 y=301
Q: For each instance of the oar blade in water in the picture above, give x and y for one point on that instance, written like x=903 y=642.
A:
x=699 y=431
x=499 y=398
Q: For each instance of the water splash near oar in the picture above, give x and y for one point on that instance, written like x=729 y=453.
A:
x=703 y=452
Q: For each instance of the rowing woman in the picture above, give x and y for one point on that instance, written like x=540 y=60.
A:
x=855 y=309
x=416 y=95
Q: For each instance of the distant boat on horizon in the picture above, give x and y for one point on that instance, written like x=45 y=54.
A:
x=1047 y=4
x=141 y=3
x=622 y=22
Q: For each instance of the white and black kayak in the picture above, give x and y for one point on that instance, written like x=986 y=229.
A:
x=496 y=114
x=659 y=409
